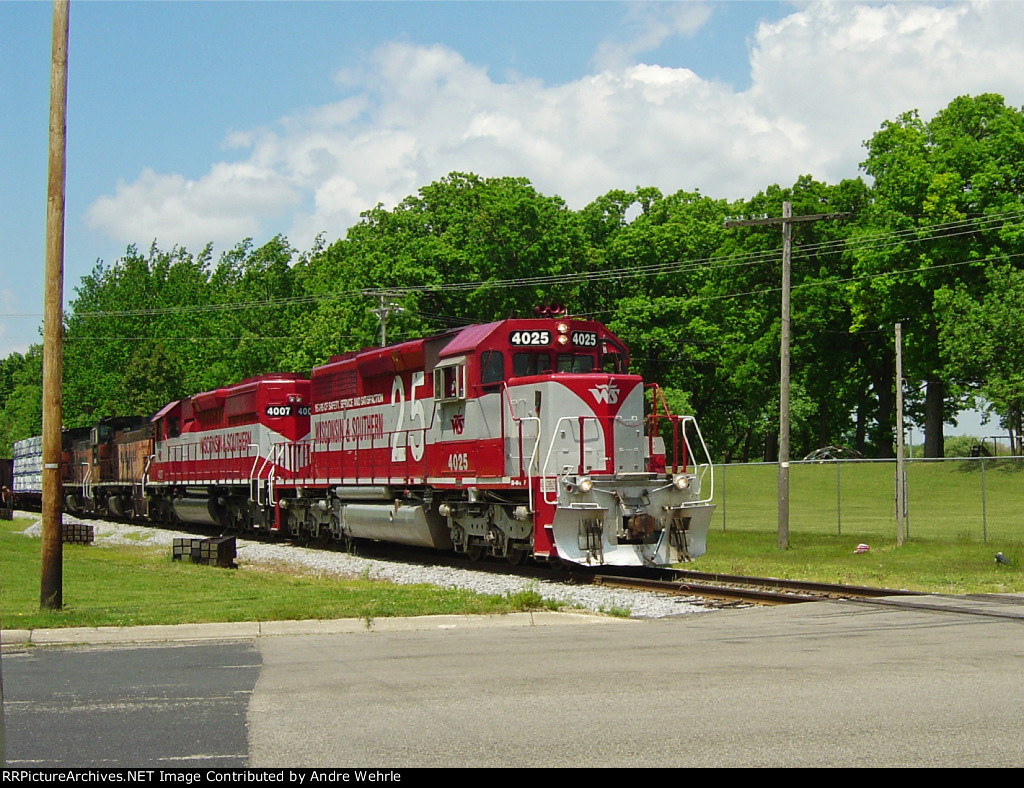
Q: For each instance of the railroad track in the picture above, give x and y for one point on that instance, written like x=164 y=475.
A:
x=717 y=587
x=738 y=588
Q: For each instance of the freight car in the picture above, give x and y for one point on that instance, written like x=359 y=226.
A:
x=522 y=437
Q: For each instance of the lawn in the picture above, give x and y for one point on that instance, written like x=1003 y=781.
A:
x=960 y=514
x=953 y=500
x=130 y=585
x=921 y=564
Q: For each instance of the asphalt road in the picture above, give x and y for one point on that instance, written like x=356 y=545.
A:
x=821 y=684
x=167 y=706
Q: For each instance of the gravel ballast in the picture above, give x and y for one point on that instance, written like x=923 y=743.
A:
x=329 y=563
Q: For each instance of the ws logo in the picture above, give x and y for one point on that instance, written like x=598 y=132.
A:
x=606 y=392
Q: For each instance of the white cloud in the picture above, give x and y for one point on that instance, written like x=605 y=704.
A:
x=224 y=206
x=646 y=27
x=823 y=80
x=839 y=70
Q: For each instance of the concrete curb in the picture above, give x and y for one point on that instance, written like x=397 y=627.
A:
x=242 y=630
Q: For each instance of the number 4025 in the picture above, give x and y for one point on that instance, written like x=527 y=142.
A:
x=458 y=462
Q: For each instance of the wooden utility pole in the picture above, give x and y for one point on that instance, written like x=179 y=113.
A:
x=51 y=576
x=385 y=309
x=901 y=463
x=783 y=482
x=786 y=221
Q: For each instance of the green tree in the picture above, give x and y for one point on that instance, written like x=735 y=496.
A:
x=150 y=329
x=942 y=194
x=135 y=312
x=439 y=255
x=21 y=414
x=983 y=342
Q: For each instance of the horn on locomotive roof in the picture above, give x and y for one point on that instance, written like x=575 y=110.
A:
x=549 y=310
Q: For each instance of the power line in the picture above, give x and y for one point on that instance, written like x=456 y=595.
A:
x=709 y=264
x=824 y=283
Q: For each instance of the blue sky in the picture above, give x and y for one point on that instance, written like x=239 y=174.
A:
x=191 y=122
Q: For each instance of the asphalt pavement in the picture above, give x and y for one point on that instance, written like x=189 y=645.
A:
x=936 y=682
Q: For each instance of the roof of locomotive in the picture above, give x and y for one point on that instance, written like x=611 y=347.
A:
x=469 y=338
x=465 y=339
x=210 y=399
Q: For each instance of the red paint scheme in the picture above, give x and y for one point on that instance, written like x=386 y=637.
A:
x=221 y=436
x=375 y=417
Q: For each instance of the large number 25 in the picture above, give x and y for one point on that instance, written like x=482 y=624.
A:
x=402 y=434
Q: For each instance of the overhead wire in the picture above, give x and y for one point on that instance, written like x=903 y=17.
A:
x=853 y=244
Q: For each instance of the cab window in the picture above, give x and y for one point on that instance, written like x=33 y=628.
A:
x=568 y=362
x=527 y=364
x=450 y=382
x=613 y=358
x=492 y=368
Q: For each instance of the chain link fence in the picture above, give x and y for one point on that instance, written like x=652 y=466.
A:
x=976 y=498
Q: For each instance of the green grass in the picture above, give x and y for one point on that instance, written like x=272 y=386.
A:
x=921 y=564
x=135 y=585
x=946 y=500
x=946 y=553
x=954 y=532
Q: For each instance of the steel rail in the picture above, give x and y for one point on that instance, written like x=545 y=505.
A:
x=753 y=589
x=798 y=585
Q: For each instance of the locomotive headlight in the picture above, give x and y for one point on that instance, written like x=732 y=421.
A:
x=563 y=328
x=584 y=484
x=562 y=339
x=681 y=482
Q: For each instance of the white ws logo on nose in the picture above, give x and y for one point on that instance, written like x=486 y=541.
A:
x=606 y=392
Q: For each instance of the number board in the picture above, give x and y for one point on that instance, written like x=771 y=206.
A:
x=530 y=338
x=584 y=338
x=286 y=410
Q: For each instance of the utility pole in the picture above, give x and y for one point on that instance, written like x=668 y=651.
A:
x=51 y=575
x=382 y=312
x=786 y=221
x=901 y=463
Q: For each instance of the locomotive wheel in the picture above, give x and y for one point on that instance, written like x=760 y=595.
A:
x=475 y=552
x=516 y=557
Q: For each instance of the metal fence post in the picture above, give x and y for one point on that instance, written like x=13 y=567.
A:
x=723 y=497
x=984 y=522
x=839 y=515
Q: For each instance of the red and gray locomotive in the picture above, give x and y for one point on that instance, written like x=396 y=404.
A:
x=522 y=437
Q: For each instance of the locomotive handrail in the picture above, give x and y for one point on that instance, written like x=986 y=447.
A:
x=700 y=469
x=565 y=472
x=658 y=396
x=145 y=473
x=397 y=470
x=254 y=475
x=86 y=486
x=271 y=478
x=519 y=421
x=533 y=456
x=705 y=466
